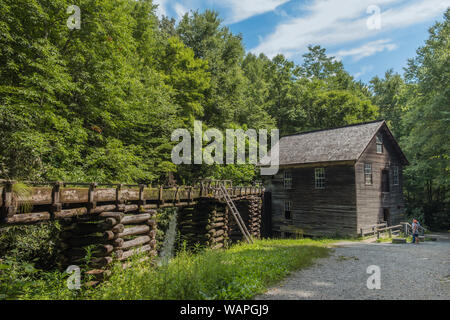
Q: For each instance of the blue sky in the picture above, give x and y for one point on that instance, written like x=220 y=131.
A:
x=368 y=36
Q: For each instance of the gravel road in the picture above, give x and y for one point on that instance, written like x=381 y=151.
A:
x=407 y=271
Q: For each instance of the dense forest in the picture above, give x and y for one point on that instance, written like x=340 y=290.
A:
x=99 y=103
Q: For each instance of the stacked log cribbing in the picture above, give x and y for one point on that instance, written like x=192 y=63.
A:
x=97 y=240
x=218 y=227
x=204 y=224
x=250 y=211
x=254 y=223
x=138 y=235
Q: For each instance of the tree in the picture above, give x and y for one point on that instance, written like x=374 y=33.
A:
x=427 y=123
x=318 y=65
x=389 y=94
x=224 y=52
x=68 y=94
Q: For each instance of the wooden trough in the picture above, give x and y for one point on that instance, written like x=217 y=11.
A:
x=113 y=222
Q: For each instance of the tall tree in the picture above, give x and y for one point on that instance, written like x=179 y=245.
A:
x=389 y=94
x=224 y=53
x=428 y=124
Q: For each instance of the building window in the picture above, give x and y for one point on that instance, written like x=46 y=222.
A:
x=319 y=175
x=287 y=209
x=395 y=178
x=368 y=173
x=379 y=141
x=287 y=180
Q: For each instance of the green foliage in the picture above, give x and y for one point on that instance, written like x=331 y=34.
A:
x=390 y=96
x=68 y=95
x=317 y=95
x=238 y=273
x=416 y=108
x=35 y=244
x=100 y=103
x=427 y=128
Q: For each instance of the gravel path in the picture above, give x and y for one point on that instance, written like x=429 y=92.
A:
x=407 y=272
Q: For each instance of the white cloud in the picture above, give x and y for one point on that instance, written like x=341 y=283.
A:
x=161 y=10
x=363 y=71
x=232 y=11
x=331 y=22
x=244 y=9
x=367 y=49
x=180 y=9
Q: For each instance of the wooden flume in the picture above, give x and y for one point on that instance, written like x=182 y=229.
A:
x=114 y=222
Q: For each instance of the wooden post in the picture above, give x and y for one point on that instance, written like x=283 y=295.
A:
x=177 y=196
x=208 y=188
x=8 y=209
x=142 y=201
x=160 y=197
x=189 y=195
x=119 y=200
x=201 y=189
x=56 y=204
x=91 y=197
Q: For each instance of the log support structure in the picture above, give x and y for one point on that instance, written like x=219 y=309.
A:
x=103 y=223
x=250 y=209
x=210 y=224
x=96 y=241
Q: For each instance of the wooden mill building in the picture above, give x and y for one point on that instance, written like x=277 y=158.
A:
x=336 y=181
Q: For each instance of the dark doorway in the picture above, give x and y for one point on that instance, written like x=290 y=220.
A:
x=387 y=216
x=385 y=181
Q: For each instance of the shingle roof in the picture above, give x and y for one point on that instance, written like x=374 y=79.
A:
x=339 y=144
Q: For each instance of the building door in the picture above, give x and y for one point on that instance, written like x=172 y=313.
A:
x=387 y=216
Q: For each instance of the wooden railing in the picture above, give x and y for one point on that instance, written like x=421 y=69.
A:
x=59 y=200
x=372 y=230
x=378 y=229
x=388 y=230
x=407 y=229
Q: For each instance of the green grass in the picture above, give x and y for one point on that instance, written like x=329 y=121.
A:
x=240 y=272
x=386 y=239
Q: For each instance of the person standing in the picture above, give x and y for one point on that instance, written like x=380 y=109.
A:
x=415 y=231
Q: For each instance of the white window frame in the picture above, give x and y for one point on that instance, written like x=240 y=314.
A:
x=287 y=180
x=319 y=178
x=368 y=174
x=379 y=143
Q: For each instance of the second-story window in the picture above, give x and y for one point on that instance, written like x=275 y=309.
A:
x=287 y=180
x=287 y=209
x=319 y=178
x=368 y=174
x=379 y=141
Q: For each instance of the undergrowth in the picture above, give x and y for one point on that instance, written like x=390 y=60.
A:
x=240 y=272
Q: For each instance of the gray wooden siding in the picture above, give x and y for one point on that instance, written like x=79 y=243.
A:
x=315 y=211
x=371 y=201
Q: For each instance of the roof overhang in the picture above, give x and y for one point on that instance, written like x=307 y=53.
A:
x=318 y=164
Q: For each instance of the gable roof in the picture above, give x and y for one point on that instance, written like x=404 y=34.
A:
x=337 y=144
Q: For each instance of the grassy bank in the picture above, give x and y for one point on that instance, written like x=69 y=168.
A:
x=238 y=273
